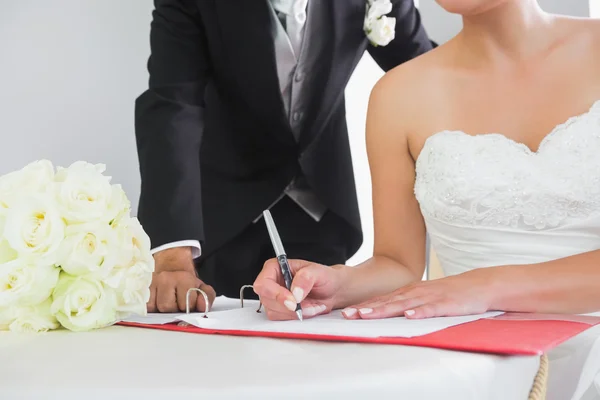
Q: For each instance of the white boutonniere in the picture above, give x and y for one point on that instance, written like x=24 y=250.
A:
x=380 y=29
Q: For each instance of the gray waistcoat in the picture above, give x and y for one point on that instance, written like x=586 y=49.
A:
x=296 y=74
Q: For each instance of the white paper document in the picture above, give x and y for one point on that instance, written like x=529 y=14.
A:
x=247 y=319
x=154 y=318
x=227 y=315
x=221 y=303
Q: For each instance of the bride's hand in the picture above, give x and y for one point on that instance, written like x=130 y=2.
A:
x=314 y=286
x=464 y=294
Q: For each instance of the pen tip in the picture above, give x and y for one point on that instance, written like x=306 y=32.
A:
x=299 y=314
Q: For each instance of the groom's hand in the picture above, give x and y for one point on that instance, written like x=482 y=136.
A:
x=174 y=275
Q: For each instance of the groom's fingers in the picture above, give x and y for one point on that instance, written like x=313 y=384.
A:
x=166 y=299
x=201 y=305
x=151 y=305
x=182 y=296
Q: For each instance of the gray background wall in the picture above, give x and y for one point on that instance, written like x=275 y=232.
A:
x=71 y=69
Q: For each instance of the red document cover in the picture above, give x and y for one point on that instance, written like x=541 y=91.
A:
x=508 y=334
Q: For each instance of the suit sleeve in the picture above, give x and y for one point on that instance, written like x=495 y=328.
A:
x=169 y=125
x=410 y=41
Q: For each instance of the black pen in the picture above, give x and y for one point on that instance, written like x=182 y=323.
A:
x=281 y=256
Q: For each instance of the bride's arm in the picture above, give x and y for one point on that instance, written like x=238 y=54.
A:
x=570 y=285
x=399 y=231
x=566 y=285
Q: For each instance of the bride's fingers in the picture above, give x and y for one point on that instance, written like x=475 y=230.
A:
x=274 y=306
x=437 y=309
x=275 y=295
x=312 y=309
x=276 y=311
x=352 y=312
x=275 y=315
x=388 y=310
x=307 y=313
x=408 y=292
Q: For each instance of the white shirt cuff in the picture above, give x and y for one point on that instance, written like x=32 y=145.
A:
x=194 y=244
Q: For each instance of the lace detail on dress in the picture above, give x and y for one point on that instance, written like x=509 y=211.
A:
x=491 y=180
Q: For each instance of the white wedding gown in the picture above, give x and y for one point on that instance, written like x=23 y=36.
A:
x=488 y=200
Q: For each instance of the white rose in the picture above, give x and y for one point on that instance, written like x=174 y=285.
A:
x=132 y=280
x=140 y=239
x=132 y=286
x=132 y=243
x=83 y=193
x=121 y=248
x=87 y=249
x=7 y=253
x=377 y=9
x=34 y=229
x=7 y=316
x=82 y=304
x=24 y=284
x=382 y=31
x=119 y=206
x=35 y=177
x=34 y=319
x=3 y=213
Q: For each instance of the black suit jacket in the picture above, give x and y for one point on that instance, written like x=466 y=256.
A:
x=215 y=147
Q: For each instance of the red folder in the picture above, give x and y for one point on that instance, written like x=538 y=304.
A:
x=508 y=334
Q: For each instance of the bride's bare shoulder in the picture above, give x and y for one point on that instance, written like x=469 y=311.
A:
x=417 y=73
x=410 y=89
x=593 y=24
x=586 y=29
x=582 y=42
x=594 y=28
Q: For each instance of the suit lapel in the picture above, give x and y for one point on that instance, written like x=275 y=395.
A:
x=247 y=37
x=348 y=45
x=248 y=43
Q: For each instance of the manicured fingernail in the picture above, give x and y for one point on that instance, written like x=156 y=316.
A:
x=365 y=310
x=348 y=312
x=290 y=305
x=313 y=310
x=298 y=294
x=309 y=311
x=409 y=313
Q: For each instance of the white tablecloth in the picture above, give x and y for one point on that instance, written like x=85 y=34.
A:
x=127 y=363
x=575 y=368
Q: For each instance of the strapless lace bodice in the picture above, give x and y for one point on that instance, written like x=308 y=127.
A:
x=488 y=200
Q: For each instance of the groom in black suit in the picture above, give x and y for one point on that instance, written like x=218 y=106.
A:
x=245 y=112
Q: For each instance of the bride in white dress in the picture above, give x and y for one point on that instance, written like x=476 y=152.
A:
x=491 y=144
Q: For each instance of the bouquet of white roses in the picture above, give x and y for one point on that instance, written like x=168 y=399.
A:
x=70 y=253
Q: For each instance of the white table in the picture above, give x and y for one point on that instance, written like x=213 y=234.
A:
x=574 y=372
x=135 y=363
x=128 y=363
